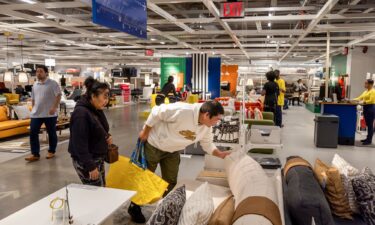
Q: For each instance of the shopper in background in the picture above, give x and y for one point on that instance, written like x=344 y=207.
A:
x=169 y=87
x=271 y=92
x=169 y=129
x=89 y=137
x=46 y=96
x=280 y=101
x=298 y=88
x=368 y=100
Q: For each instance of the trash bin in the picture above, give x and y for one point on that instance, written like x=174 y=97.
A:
x=326 y=131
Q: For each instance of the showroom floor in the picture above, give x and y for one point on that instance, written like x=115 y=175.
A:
x=23 y=183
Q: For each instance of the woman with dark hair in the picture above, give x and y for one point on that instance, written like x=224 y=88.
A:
x=270 y=91
x=89 y=137
x=169 y=87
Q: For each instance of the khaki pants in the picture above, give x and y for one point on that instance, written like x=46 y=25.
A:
x=169 y=164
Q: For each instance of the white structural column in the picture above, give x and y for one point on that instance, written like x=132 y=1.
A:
x=327 y=63
x=325 y=10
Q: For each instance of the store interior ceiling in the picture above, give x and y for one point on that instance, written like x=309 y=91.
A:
x=284 y=32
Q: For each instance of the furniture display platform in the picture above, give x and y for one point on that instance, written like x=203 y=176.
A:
x=88 y=205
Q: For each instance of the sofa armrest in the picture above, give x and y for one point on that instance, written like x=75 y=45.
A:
x=252 y=122
x=268 y=115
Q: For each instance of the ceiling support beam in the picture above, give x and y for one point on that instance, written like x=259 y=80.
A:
x=212 y=8
x=325 y=10
x=161 y=12
x=354 y=2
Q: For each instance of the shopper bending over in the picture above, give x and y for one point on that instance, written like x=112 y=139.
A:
x=280 y=100
x=89 y=137
x=368 y=99
x=270 y=91
x=171 y=128
x=46 y=96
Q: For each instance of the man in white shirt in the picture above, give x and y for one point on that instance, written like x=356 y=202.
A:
x=46 y=96
x=171 y=128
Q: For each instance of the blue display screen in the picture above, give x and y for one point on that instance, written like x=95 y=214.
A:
x=129 y=16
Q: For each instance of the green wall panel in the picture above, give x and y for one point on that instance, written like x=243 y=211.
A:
x=172 y=67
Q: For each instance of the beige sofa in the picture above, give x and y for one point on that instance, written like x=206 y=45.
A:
x=241 y=176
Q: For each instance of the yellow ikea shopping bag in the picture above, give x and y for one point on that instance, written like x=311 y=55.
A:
x=124 y=174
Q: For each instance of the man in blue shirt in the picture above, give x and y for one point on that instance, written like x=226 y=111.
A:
x=46 y=96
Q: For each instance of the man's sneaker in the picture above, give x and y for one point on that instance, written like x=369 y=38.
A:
x=50 y=155
x=135 y=212
x=32 y=158
x=367 y=143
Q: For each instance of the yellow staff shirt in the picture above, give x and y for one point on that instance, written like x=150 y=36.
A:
x=281 y=83
x=368 y=97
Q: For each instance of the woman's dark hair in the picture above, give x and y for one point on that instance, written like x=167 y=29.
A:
x=94 y=87
x=213 y=108
x=170 y=79
x=370 y=81
x=271 y=76
x=43 y=67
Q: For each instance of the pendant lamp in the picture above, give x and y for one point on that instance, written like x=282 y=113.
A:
x=22 y=76
x=8 y=75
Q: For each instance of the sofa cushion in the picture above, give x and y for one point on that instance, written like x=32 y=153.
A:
x=364 y=188
x=224 y=213
x=246 y=179
x=198 y=208
x=3 y=113
x=169 y=210
x=304 y=196
x=22 y=112
x=347 y=172
x=10 y=124
x=330 y=180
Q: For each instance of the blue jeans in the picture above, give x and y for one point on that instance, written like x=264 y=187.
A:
x=369 y=114
x=35 y=126
x=278 y=116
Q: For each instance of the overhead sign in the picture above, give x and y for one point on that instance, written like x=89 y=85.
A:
x=149 y=52
x=232 y=10
x=50 y=62
x=128 y=16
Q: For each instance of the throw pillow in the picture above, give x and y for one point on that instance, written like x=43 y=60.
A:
x=198 y=208
x=3 y=113
x=330 y=180
x=224 y=213
x=364 y=188
x=169 y=210
x=347 y=172
x=22 y=112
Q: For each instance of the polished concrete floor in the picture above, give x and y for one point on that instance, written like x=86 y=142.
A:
x=23 y=183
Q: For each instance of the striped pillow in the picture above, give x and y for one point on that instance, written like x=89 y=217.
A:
x=198 y=208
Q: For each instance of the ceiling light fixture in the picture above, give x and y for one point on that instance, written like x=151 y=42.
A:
x=268 y=37
x=52 y=41
x=269 y=24
x=28 y=1
x=187 y=53
x=153 y=39
x=213 y=53
x=269 y=14
x=162 y=42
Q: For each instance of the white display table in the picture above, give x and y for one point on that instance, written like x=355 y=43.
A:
x=88 y=205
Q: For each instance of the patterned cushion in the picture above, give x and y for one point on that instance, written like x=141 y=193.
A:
x=347 y=173
x=169 y=210
x=198 y=208
x=364 y=188
x=330 y=180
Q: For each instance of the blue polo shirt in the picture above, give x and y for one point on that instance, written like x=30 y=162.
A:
x=44 y=96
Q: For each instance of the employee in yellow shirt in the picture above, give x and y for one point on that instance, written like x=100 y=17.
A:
x=280 y=99
x=368 y=100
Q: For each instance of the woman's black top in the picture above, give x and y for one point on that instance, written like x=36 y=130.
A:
x=169 y=88
x=272 y=91
x=88 y=134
